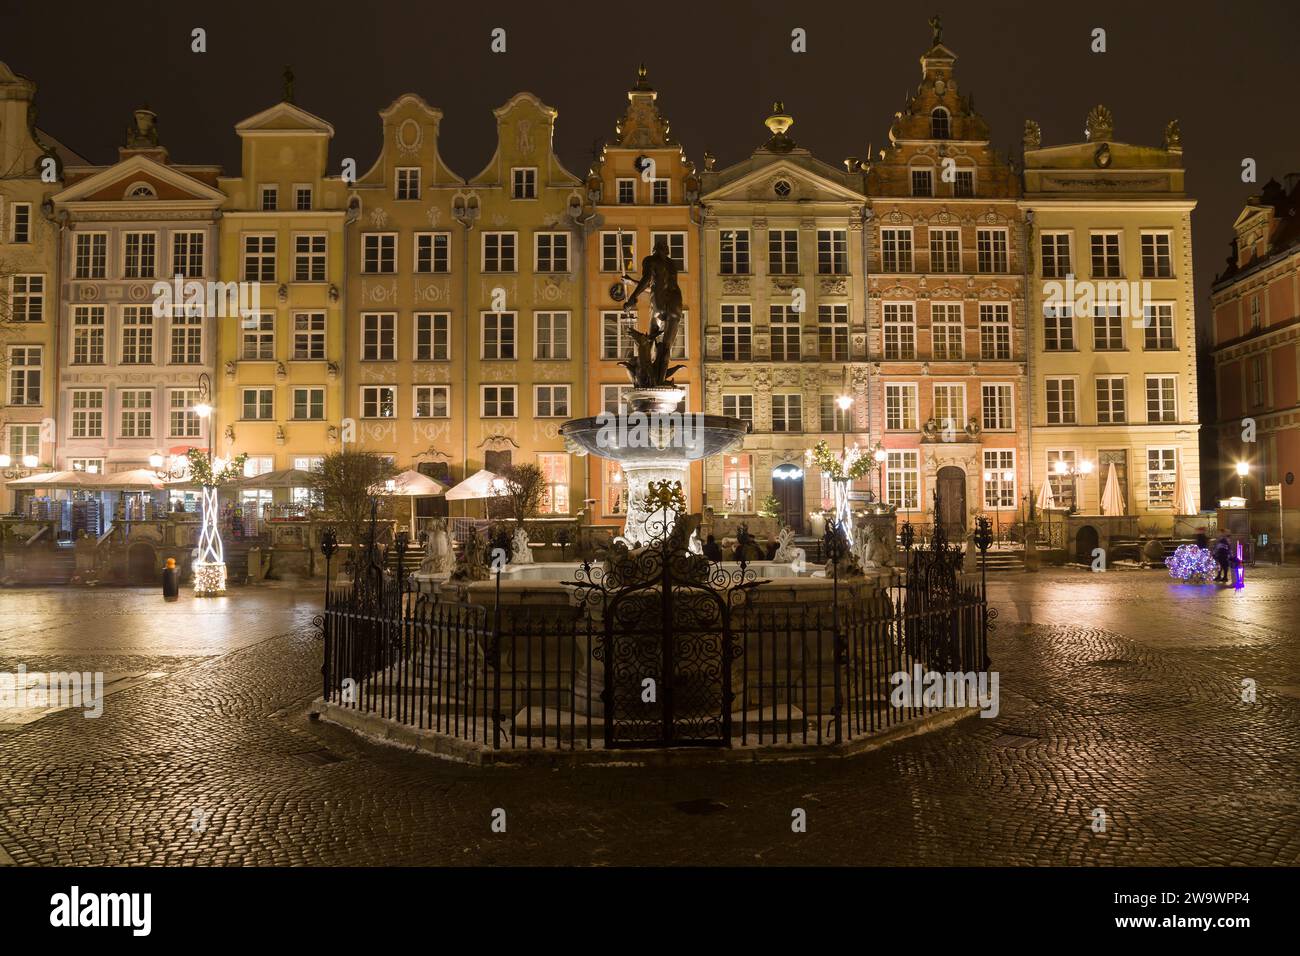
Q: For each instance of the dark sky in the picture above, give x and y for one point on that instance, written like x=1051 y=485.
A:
x=1225 y=69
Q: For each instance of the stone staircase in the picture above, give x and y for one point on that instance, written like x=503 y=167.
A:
x=999 y=560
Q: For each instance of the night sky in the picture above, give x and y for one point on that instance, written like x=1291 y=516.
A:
x=1225 y=69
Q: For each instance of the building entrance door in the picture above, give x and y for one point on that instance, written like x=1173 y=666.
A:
x=951 y=482
x=787 y=486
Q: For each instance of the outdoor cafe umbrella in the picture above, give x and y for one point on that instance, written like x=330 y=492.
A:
x=1045 y=499
x=57 y=481
x=284 y=478
x=477 y=485
x=1112 y=500
x=412 y=484
x=135 y=479
x=1184 y=502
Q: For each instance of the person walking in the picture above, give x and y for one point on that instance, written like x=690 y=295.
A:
x=1221 y=558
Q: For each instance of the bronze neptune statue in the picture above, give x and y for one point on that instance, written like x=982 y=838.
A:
x=648 y=367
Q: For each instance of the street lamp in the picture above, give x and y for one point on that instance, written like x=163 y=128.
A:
x=879 y=454
x=29 y=465
x=175 y=472
x=1063 y=467
x=1243 y=469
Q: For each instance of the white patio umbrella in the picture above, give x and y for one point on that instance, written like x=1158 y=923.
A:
x=1112 y=500
x=284 y=478
x=412 y=484
x=1045 y=499
x=477 y=485
x=134 y=479
x=53 y=480
x=1184 y=501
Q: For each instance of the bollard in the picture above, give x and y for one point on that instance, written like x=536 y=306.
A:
x=171 y=581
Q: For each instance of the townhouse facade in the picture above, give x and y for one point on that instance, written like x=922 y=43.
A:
x=1114 y=350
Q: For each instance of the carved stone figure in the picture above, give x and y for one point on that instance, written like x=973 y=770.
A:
x=1173 y=135
x=1033 y=135
x=439 y=553
x=786 y=552
x=472 y=563
x=1100 y=125
x=520 y=553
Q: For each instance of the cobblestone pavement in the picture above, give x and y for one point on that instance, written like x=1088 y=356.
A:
x=1119 y=691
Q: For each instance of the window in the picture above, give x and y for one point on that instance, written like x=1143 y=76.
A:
x=782 y=188
x=786 y=329
x=25 y=367
x=309 y=335
x=832 y=252
x=733 y=252
x=24 y=440
x=900 y=407
x=258 y=404
x=256 y=465
x=995 y=331
x=1063 y=485
x=739 y=406
x=950 y=408
x=551 y=331
x=614 y=398
x=1056 y=255
x=555 y=488
x=90 y=259
x=136 y=408
x=379 y=253
x=615 y=488
x=27 y=298
x=736 y=329
x=523 y=182
x=408 y=183
x=999 y=478
x=626 y=191
x=259 y=258
x=783 y=251
x=432 y=336
x=309 y=258
x=498 y=335
x=309 y=403
x=737 y=483
x=991 y=250
x=896 y=250
x=1060 y=402
x=1111 y=408
x=88 y=335
x=140 y=258
x=946 y=331
x=379 y=337
x=831 y=417
x=679 y=344
x=1258 y=381
x=551 y=401
x=833 y=332
x=787 y=413
x=1158 y=326
x=20 y=226
x=996 y=404
x=137 y=335
x=302 y=197
x=610 y=260
x=659 y=194
x=182 y=420
x=945 y=250
x=903 y=479
x=498 y=401
x=432 y=252
x=1105 y=255
x=551 y=252
x=939 y=125
x=1162 y=405
x=432 y=401
x=676 y=247
x=257 y=337
x=963 y=184
x=1058 y=327
x=1157 y=260
x=615 y=343
x=87 y=413
x=379 y=401
x=922 y=182
x=900 y=331
x=187 y=254
x=270 y=198
x=1161 y=469
x=499 y=251
x=1254 y=312
x=1107 y=328
x=187 y=340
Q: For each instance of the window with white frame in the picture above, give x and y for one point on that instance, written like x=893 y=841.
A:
x=500 y=252
x=900 y=331
x=1254 y=312
x=379 y=253
x=255 y=465
x=950 y=407
x=257 y=335
x=896 y=250
x=182 y=420
x=140 y=255
x=270 y=196
x=659 y=192
x=832 y=418
x=923 y=182
x=432 y=401
x=786 y=329
x=135 y=412
x=187 y=340
x=787 y=412
x=408 y=182
x=1157 y=257
x=995 y=331
x=1062 y=483
x=832 y=252
x=88 y=335
x=1106 y=262
x=551 y=335
x=20 y=222
x=499 y=401
x=309 y=258
x=137 y=335
x=1162 y=401
x=733 y=252
x=683 y=336
x=613 y=398
x=551 y=252
x=991 y=250
x=903 y=479
x=1158 y=326
x=23 y=440
x=92 y=466
x=259 y=258
x=258 y=404
x=615 y=343
x=947 y=331
x=551 y=401
x=783 y=251
x=833 y=332
x=523 y=182
x=737 y=332
x=1258 y=380
x=945 y=250
x=1061 y=405
x=432 y=252
x=302 y=197
x=999 y=478
x=614 y=485
x=26 y=363
x=676 y=247
x=87 y=413
x=1107 y=328
x=996 y=406
x=309 y=336
x=555 y=483
x=188 y=254
x=379 y=401
x=432 y=336
x=90 y=255
x=737 y=484
x=1057 y=261
x=27 y=298
x=1112 y=405
x=1162 y=467
x=308 y=403
x=498 y=335
x=1058 y=327
x=900 y=406
x=625 y=191
x=610 y=260
x=378 y=337
x=739 y=406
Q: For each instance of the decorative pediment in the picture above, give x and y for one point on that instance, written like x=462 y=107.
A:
x=123 y=181
x=284 y=118
x=769 y=182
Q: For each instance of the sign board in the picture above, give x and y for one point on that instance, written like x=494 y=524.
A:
x=1273 y=492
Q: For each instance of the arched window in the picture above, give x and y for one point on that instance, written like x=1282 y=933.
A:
x=141 y=191
x=940 y=127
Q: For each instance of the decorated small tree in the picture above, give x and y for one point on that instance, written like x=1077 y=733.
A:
x=210 y=474
x=842 y=470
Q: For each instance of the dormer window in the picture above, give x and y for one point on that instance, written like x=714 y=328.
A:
x=141 y=191
x=940 y=125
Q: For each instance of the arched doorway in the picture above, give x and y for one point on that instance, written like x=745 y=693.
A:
x=787 y=486
x=1085 y=542
x=141 y=565
x=951 y=485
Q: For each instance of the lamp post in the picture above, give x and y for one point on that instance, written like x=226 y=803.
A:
x=1243 y=469
x=1062 y=467
x=11 y=471
x=880 y=455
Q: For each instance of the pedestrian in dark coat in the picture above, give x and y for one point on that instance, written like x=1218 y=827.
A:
x=1222 y=559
